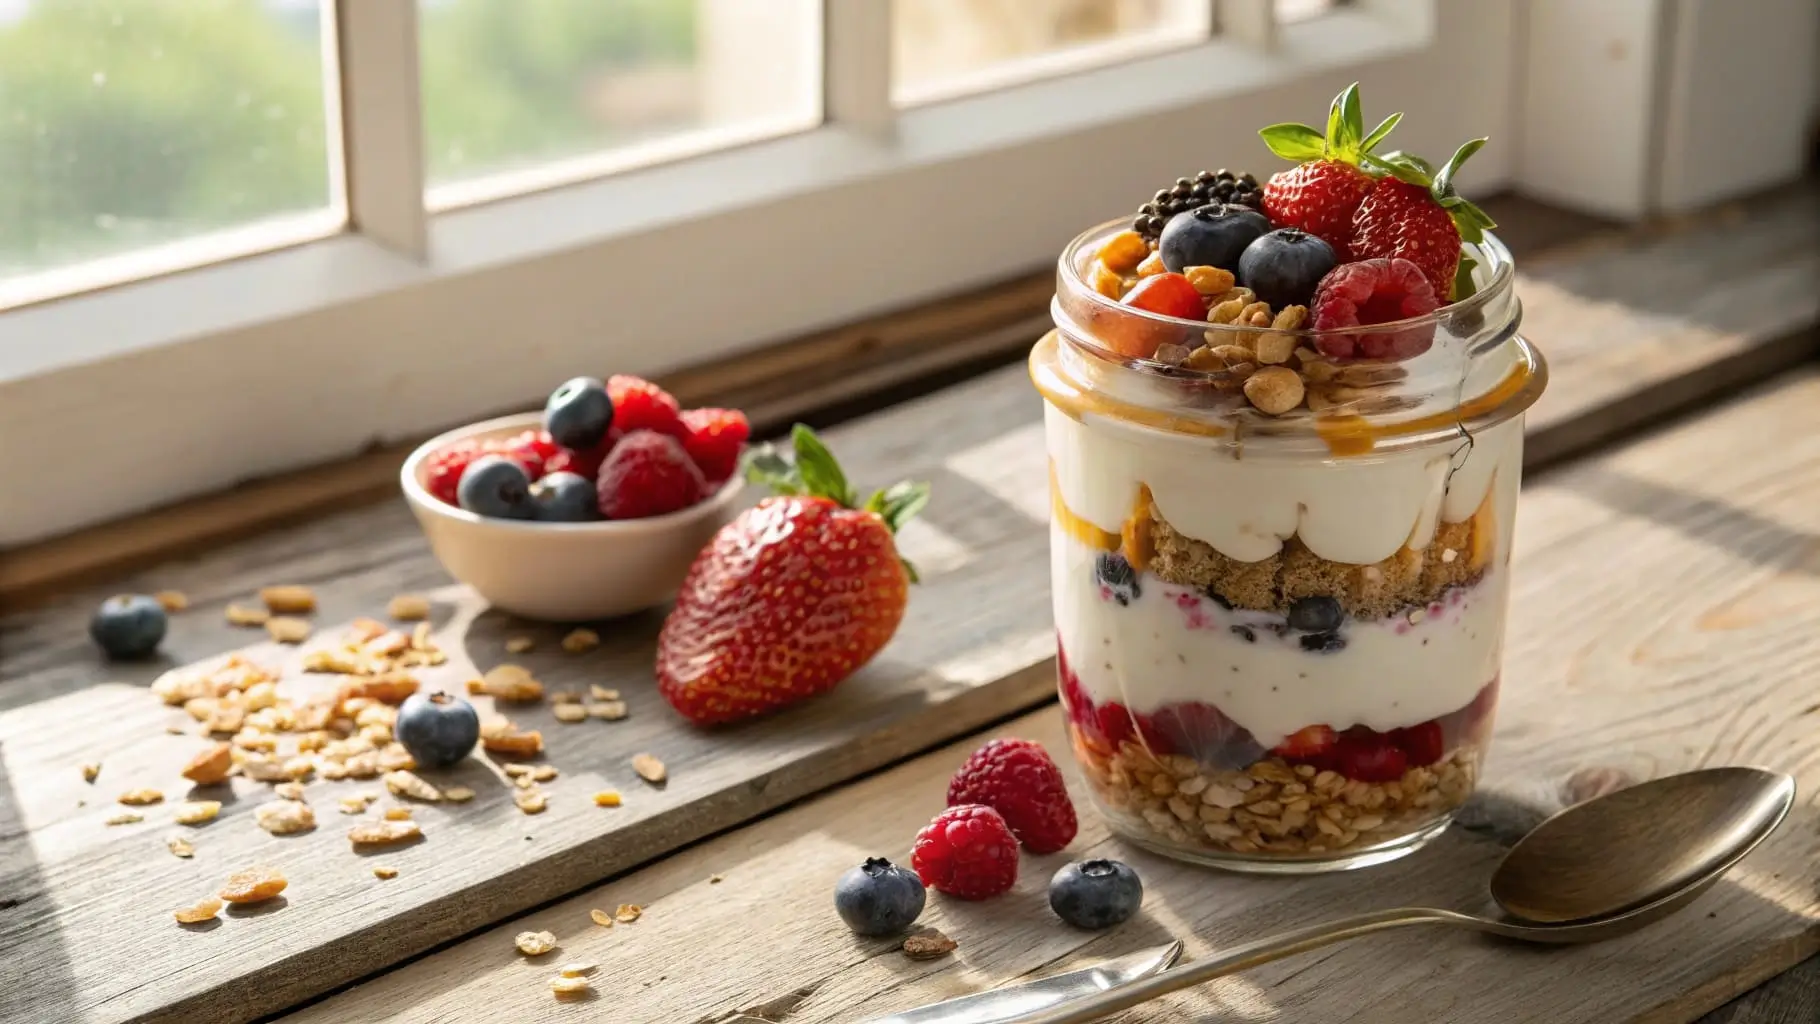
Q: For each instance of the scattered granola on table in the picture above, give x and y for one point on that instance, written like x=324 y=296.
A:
x=203 y=911
x=253 y=885
x=530 y=801
x=581 y=641
x=628 y=912
x=406 y=784
x=564 y=985
x=607 y=798
x=288 y=599
x=408 y=608
x=649 y=768
x=172 y=601
x=601 y=917
x=196 y=812
x=519 y=644
x=285 y=817
x=141 y=797
x=243 y=615
x=210 y=766
x=382 y=871
x=126 y=818
x=535 y=943
x=287 y=629
x=929 y=945
x=180 y=847
x=91 y=771
x=384 y=832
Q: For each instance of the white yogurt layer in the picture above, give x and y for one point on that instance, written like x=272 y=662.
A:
x=1172 y=645
x=1359 y=509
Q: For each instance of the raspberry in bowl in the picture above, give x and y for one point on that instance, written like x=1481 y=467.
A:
x=593 y=508
x=1282 y=513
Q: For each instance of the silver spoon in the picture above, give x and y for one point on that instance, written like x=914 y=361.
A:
x=1595 y=871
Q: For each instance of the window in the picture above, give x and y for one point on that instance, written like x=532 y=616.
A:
x=126 y=125
x=946 y=48
x=510 y=85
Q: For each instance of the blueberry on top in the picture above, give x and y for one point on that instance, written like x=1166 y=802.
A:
x=1095 y=893
x=496 y=486
x=1284 y=266
x=128 y=626
x=578 y=414
x=1315 y=614
x=879 y=898
x=1210 y=236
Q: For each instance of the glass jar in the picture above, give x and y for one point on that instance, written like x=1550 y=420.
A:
x=1280 y=635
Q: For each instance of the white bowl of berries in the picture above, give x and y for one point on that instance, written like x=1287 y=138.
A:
x=593 y=508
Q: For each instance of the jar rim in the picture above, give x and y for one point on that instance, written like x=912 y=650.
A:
x=1503 y=276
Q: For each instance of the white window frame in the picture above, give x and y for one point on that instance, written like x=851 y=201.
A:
x=138 y=395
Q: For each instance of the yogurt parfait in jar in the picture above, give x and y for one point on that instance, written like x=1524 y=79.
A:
x=1285 y=435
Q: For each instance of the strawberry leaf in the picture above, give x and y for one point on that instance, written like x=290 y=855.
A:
x=1471 y=221
x=816 y=466
x=1403 y=166
x=1378 y=133
x=1296 y=142
x=1444 y=178
x=768 y=469
x=1352 y=123
x=1463 y=284
x=899 y=503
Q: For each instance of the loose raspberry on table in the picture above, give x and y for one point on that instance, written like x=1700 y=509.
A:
x=967 y=852
x=648 y=474
x=714 y=438
x=639 y=404
x=442 y=470
x=1368 y=292
x=1018 y=779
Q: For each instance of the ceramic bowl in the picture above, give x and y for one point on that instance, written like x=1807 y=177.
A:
x=561 y=572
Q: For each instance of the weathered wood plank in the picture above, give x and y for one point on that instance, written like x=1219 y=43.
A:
x=1665 y=597
x=87 y=933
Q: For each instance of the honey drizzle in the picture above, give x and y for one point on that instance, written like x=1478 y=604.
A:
x=1074 y=526
x=1345 y=434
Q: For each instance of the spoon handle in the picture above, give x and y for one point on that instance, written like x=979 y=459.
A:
x=1239 y=958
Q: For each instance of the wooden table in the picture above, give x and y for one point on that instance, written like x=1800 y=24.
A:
x=1666 y=602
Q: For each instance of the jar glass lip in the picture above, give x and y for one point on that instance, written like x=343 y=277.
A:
x=1491 y=253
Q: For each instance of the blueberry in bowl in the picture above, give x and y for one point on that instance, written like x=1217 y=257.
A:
x=497 y=487
x=1215 y=235
x=564 y=497
x=578 y=414
x=1284 y=266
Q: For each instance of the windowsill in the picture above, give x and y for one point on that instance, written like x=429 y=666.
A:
x=328 y=272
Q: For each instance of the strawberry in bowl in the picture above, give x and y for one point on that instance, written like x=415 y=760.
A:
x=592 y=508
x=791 y=597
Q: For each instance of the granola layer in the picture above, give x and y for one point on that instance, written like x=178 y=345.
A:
x=1270 y=806
x=1411 y=578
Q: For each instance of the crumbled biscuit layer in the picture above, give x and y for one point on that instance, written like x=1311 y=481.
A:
x=1408 y=579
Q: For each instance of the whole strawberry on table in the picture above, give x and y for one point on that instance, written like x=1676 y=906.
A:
x=793 y=596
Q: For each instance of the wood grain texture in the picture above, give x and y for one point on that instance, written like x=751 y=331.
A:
x=1660 y=349
x=1665 y=599
x=82 y=898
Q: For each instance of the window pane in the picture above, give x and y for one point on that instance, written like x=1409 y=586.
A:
x=126 y=124
x=944 y=48
x=513 y=84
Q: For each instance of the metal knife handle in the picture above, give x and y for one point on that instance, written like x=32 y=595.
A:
x=1251 y=954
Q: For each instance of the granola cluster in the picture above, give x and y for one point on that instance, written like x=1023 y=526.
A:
x=1270 y=806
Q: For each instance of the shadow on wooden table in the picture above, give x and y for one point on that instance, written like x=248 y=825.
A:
x=36 y=983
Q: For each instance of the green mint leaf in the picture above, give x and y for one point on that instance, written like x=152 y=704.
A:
x=1463 y=284
x=1444 y=179
x=820 y=473
x=1296 y=142
x=763 y=466
x=1378 y=133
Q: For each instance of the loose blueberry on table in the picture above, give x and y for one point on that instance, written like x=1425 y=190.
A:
x=1095 y=894
x=879 y=898
x=438 y=729
x=128 y=626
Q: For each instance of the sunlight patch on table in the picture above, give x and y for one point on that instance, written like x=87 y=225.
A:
x=1013 y=467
